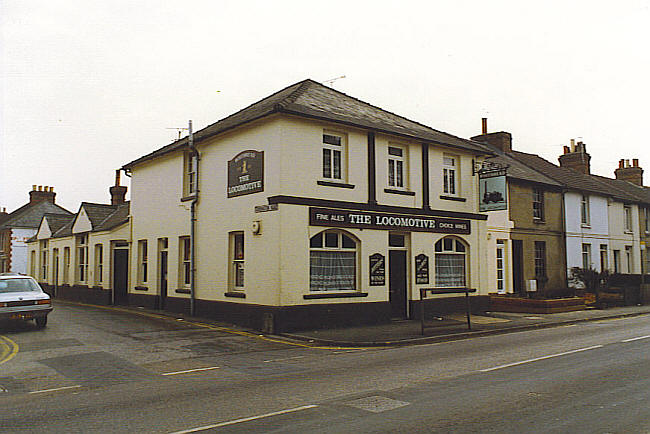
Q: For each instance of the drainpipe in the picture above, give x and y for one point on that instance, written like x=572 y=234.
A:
x=194 y=152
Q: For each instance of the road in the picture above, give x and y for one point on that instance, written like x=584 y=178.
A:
x=110 y=370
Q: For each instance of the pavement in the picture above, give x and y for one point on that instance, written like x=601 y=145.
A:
x=409 y=332
x=454 y=327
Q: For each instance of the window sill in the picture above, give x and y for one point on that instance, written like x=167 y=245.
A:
x=335 y=184
x=188 y=198
x=335 y=295
x=234 y=294
x=141 y=288
x=182 y=291
x=402 y=192
x=628 y=232
x=539 y=221
x=585 y=225
x=457 y=199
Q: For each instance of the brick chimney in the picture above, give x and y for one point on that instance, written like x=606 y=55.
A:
x=500 y=140
x=40 y=194
x=633 y=173
x=576 y=158
x=118 y=192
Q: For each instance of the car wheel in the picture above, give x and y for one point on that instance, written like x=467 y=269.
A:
x=41 y=321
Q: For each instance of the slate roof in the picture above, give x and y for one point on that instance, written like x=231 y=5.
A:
x=518 y=170
x=314 y=100
x=618 y=189
x=102 y=217
x=57 y=221
x=118 y=217
x=97 y=212
x=31 y=214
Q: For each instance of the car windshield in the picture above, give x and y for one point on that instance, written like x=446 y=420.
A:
x=18 y=285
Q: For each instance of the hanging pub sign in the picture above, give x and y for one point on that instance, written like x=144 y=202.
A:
x=246 y=173
x=384 y=221
x=422 y=269
x=377 y=270
x=492 y=189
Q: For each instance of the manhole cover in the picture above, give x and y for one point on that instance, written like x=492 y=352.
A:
x=376 y=404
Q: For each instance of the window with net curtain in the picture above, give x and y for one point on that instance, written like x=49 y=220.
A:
x=332 y=262
x=451 y=259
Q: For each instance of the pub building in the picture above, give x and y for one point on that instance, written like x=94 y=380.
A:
x=307 y=209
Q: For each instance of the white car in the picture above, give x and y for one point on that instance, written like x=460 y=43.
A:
x=21 y=297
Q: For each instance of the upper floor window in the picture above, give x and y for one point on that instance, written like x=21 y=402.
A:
x=449 y=175
x=538 y=204
x=334 y=156
x=450 y=259
x=190 y=163
x=584 y=210
x=396 y=166
x=332 y=262
x=628 y=218
x=646 y=219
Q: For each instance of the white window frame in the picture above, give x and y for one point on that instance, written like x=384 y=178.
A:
x=334 y=157
x=99 y=263
x=184 y=262
x=450 y=247
x=584 y=210
x=501 y=266
x=44 y=260
x=629 y=258
x=397 y=167
x=81 y=272
x=66 y=265
x=237 y=261
x=450 y=170
x=328 y=246
x=628 y=218
x=143 y=262
x=586 y=256
x=604 y=257
x=538 y=198
x=190 y=162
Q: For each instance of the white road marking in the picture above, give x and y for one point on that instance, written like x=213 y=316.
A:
x=540 y=358
x=192 y=370
x=245 y=419
x=636 y=339
x=55 y=390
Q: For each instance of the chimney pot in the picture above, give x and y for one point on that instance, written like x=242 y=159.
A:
x=635 y=162
x=40 y=188
x=34 y=187
x=627 y=163
x=566 y=149
x=621 y=163
x=484 y=126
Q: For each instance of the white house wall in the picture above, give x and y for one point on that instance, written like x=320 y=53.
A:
x=595 y=233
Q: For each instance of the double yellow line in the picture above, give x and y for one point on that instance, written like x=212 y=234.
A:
x=8 y=349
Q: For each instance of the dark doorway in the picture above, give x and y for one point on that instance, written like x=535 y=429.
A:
x=120 y=276
x=163 y=278
x=518 y=266
x=397 y=283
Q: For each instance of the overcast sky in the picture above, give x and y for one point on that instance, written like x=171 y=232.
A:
x=89 y=86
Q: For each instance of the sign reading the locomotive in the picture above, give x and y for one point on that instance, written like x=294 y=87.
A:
x=492 y=190
x=246 y=173
x=377 y=270
x=384 y=221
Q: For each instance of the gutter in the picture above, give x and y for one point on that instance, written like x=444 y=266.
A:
x=195 y=199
